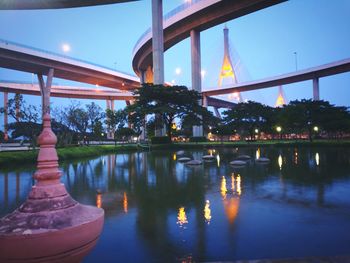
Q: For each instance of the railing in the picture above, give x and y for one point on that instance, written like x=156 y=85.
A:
x=168 y=15
x=6 y=42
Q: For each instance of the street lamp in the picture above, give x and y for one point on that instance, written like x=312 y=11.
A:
x=256 y=131
x=279 y=129
x=315 y=129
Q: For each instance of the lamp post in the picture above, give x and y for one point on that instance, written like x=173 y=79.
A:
x=279 y=129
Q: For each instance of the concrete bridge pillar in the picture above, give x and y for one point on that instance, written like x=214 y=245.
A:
x=158 y=51
x=316 y=89
x=217 y=113
x=18 y=118
x=50 y=225
x=6 y=100
x=197 y=131
x=110 y=131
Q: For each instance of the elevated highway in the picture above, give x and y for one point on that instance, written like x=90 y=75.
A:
x=199 y=15
x=54 y=4
x=313 y=73
x=23 y=58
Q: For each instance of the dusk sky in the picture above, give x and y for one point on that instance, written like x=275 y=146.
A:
x=262 y=43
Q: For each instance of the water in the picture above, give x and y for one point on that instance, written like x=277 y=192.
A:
x=160 y=210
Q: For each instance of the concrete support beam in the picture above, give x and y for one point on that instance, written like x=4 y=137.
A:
x=17 y=108
x=110 y=131
x=158 y=50
x=217 y=113
x=157 y=42
x=6 y=100
x=316 y=89
x=196 y=72
x=205 y=101
x=45 y=89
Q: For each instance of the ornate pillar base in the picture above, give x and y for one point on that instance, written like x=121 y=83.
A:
x=49 y=226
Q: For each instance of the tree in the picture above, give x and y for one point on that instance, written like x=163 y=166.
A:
x=247 y=116
x=95 y=114
x=168 y=102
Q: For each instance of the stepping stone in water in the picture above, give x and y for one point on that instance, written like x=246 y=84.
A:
x=263 y=160
x=184 y=159
x=194 y=162
x=238 y=163
x=208 y=157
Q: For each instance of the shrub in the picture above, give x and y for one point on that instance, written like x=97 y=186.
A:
x=160 y=140
x=198 y=139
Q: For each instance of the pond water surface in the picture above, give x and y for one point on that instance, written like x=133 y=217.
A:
x=158 y=209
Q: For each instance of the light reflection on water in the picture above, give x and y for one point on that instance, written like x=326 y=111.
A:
x=160 y=207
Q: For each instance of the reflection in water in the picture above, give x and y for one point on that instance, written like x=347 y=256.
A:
x=181 y=217
x=239 y=189
x=233 y=182
x=280 y=161
x=125 y=203
x=231 y=208
x=223 y=188
x=211 y=151
x=257 y=154
x=317 y=158
x=207 y=212
x=218 y=160
x=296 y=156
x=99 y=200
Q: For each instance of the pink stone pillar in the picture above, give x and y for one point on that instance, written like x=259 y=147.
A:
x=6 y=99
x=50 y=226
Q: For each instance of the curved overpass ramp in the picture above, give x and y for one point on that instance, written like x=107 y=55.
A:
x=23 y=58
x=53 y=4
x=200 y=15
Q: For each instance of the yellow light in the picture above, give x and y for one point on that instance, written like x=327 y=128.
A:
x=231 y=209
x=280 y=161
x=317 y=159
x=316 y=129
x=233 y=182
x=173 y=126
x=257 y=153
x=99 y=200
x=239 y=189
x=207 y=212
x=256 y=131
x=218 y=160
x=174 y=156
x=181 y=217
x=223 y=188
x=278 y=128
x=125 y=203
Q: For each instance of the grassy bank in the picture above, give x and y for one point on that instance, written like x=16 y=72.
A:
x=69 y=153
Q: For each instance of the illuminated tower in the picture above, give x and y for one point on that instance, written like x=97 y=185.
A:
x=227 y=69
x=281 y=98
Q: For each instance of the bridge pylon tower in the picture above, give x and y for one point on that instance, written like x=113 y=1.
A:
x=281 y=98
x=227 y=69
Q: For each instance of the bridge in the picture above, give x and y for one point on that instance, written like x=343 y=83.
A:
x=54 y=4
x=28 y=59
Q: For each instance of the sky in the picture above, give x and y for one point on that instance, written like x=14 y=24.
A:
x=273 y=41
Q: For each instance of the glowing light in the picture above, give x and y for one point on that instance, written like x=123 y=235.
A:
x=233 y=182
x=203 y=73
x=257 y=153
x=278 y=128
x=66 y=47
x=218 y=160
x=256 y=131
x=125 y=203
x=280 y=161
x=173 y=126
x=178 y=71
x=231 y=209
x=317 y=159
x=99 y=200
x=316 y=129
x=96 y=85
x=239 y=189
x=181 y=217
x=174 y=156
x=223 y=188
x=207 y=212
x=295 y=156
